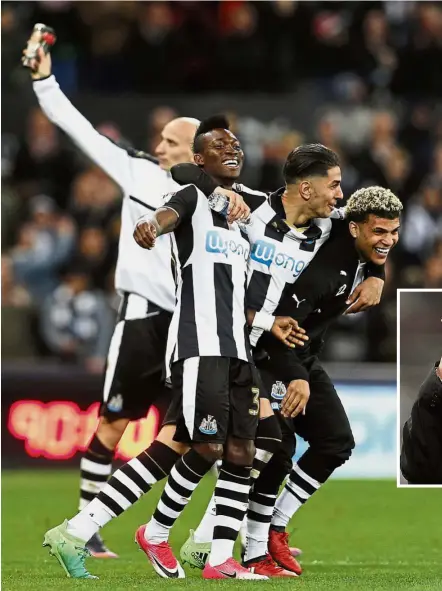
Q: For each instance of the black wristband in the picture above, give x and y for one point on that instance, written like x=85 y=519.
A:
x=40 y=79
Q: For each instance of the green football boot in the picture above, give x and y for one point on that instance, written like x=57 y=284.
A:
x=193 y=553
x=68 y=550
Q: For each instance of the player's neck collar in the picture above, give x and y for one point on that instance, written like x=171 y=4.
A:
x=313 y=232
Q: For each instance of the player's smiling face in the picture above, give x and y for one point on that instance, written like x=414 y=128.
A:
x=222 y=156
x=325 y=193
x=375 y=237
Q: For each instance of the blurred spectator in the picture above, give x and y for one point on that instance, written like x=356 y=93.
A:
x=158 y=120
x=95 y=198
x=11 y=41
x=374 y=57
x=153 y=47
x=13 y=294
x=18 y=317
x=275 y=155
x=108 y=34
x=433 y=272
x=415 y=136
x=384 y=162
x=437 y=163
x=43 y=164
x=93 y=255
x=423 y=223
x=45 y=243
x=330 y=32
x=76 y=321
x=380 y=321
x=240 y=47
x=418 y=59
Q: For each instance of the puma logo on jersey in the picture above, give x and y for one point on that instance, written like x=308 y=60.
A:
x=298 y=302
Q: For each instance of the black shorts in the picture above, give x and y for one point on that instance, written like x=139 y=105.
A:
x=325 y=420
x=213 y=397
x=135 y=376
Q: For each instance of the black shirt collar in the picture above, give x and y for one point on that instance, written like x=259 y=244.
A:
x=313 y=232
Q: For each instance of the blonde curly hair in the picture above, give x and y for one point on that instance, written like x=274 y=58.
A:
x=376 y=200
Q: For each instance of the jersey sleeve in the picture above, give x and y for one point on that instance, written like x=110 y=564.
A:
x=183 y=202
x=187 y=173
x=254 y=199
x=114 y=160
x=375 y=271
x=285 y=363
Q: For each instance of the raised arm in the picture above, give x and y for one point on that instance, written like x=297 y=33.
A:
x=115 y=161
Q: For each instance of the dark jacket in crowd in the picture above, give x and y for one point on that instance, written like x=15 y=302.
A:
x=421 y=454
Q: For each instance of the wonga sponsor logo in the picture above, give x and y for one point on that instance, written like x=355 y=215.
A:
x=265 y=253
x=218 y=244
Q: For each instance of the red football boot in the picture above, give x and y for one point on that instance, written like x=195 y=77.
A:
x=279 y=550
x=268 y=567
x=160 y=556
x=230 y=569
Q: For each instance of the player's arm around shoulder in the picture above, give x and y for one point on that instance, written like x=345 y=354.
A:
x=365 y=296
x=368 y=293
x=187 y=173
x=179 y=208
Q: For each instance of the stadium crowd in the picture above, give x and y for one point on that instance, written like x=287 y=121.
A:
x=378 y=63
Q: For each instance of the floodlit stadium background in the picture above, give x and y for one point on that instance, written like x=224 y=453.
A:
x=362 y=78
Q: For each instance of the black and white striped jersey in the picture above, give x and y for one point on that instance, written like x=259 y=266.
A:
x=210 y=315
x=317 y=299
x=139 y=271
x=279 y=253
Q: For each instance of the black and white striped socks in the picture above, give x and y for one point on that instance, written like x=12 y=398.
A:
x=183 y=480
x=123 y=489
x=231 y=498
x=259 y=517
x=95 y=469
x=298 y=489
x=267 y=442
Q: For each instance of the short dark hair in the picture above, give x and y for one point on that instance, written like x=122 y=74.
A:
x=309 y=160
x=206 y=125
x=378 y=201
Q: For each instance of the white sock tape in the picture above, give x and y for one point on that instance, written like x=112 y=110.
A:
x=263 y=320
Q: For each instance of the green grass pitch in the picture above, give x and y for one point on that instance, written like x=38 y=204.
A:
x=354 y=534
